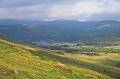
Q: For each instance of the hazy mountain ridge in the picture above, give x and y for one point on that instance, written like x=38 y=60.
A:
x=61 y=30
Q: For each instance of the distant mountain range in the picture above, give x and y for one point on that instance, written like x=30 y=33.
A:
x=61 y=30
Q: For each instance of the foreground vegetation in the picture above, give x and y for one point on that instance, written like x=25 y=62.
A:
x=23 y=62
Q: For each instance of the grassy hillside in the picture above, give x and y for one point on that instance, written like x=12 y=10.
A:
x=23 y=62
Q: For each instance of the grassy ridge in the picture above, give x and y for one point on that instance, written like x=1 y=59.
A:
x=23 y=62
x=96 y=63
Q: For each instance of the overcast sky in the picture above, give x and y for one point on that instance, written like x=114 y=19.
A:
x=83 y=10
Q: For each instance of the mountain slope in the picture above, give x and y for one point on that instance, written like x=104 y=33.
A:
x=20 y=62
x=61 y=30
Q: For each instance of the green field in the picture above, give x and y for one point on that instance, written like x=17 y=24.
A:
x=23 y=62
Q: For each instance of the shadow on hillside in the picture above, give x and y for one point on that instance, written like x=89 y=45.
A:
x=107 y=70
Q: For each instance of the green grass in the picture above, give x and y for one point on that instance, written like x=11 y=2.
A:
x=95 y=63
x=94 y=49
x=23 y=62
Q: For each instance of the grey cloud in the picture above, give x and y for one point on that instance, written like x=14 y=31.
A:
x=60 y=9
x=38 y=12
x=20 y=3
x=105 y=16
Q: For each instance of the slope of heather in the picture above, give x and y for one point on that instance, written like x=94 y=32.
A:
x=23 y=62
